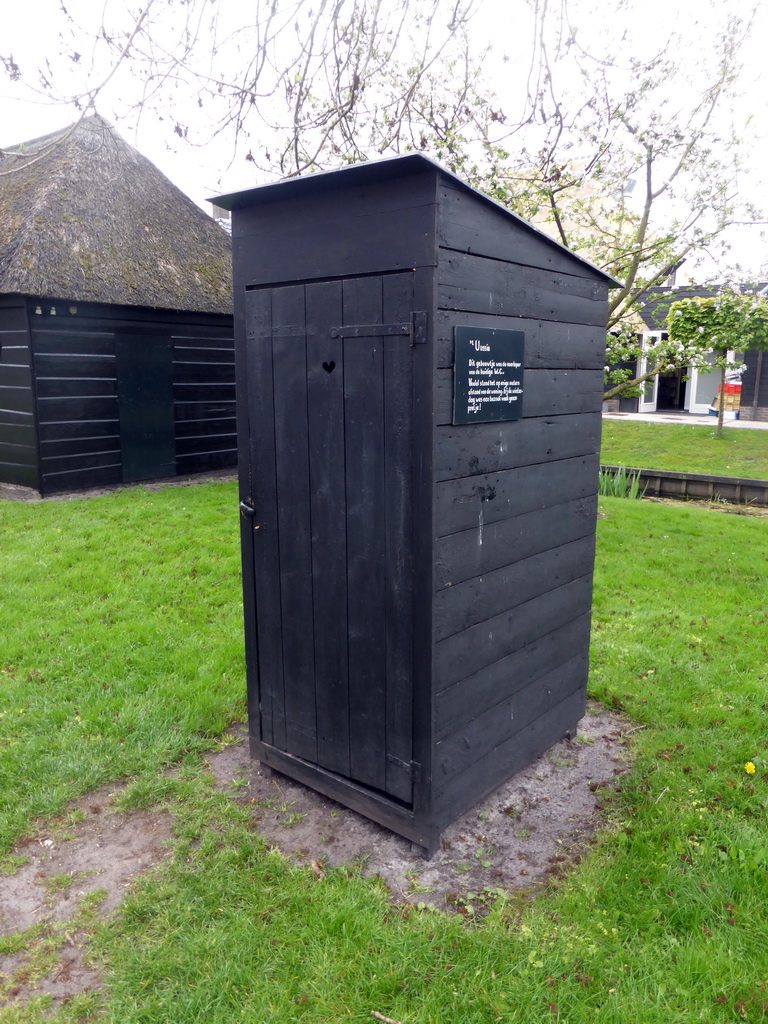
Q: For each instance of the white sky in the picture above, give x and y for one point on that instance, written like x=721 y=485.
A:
x=31 y=33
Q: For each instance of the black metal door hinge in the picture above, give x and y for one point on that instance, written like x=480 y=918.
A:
x=419 y=332
x=416 y=330
x=370 y=330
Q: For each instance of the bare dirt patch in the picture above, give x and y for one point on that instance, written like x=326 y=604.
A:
x=103 y=851
x=69 y=865
x=530 y=830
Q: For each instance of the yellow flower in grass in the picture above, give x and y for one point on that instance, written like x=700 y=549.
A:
x=749 y=768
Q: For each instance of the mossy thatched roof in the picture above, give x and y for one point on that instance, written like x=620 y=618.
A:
x=85 y=216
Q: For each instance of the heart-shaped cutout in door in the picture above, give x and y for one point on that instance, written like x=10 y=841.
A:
x=329 y=367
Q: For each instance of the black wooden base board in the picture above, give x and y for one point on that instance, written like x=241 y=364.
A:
x=371 y=804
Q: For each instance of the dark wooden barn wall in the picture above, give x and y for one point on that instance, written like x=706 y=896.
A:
x=515 y=506
x=76 y=376
x=204 y=398
x=18 y=437
x=76 y=383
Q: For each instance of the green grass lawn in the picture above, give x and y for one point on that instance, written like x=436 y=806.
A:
x=687 y=449
x=122 y=655
x=122 y=640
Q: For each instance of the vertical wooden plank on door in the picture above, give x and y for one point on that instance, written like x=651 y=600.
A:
x=267 y=628
x=325 y=406
x=289 y=369
x=366 y=549
x=398 y=484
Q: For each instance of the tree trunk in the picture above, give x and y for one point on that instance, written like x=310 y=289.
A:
x=721 y=402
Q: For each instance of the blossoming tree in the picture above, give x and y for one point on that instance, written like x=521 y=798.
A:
x=625 y=352
x=717 y=326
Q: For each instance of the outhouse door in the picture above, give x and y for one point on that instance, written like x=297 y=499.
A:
x=330 y=399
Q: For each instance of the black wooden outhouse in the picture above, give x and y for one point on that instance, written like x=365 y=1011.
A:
x=420 y=377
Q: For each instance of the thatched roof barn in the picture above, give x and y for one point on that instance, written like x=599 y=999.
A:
x=116 y=352
x=86 y=216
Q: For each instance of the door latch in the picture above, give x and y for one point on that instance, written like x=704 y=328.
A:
x=412 y=768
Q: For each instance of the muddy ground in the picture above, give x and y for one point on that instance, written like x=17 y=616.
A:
x=531 y=829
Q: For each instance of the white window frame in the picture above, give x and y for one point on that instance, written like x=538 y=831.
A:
x=650 y=393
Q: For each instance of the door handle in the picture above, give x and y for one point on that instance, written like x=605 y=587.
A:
x=247 y=509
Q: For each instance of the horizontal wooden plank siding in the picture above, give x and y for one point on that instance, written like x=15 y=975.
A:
x=480 y=735
x=63 y=448
x=75 y=387
x=466 y=604
x=77 y=377
x=547 y=393
x=73 y=364
x=477 y=693
x=511 y=756
x=13 y=309
x=202 y=391
x=74 y=431
x=216 y=418
x=76 y=409
x=474 y=449
x=478 y=285
x=460 y=556
x=515 y=506
x=19 y=462
x=478 y=646
x=548 y=343
x=475 y=501
x=191 y=413
x=473 y=227
x=79 y=342
x=387 y=226
x=204 y=401
x=14 y=398
x=15 y=428
x=189 y=370
x=15 y=380
x=60 y=467
x=14 y=348
x=18 y=437
x=189 y=432
x=87 y=477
